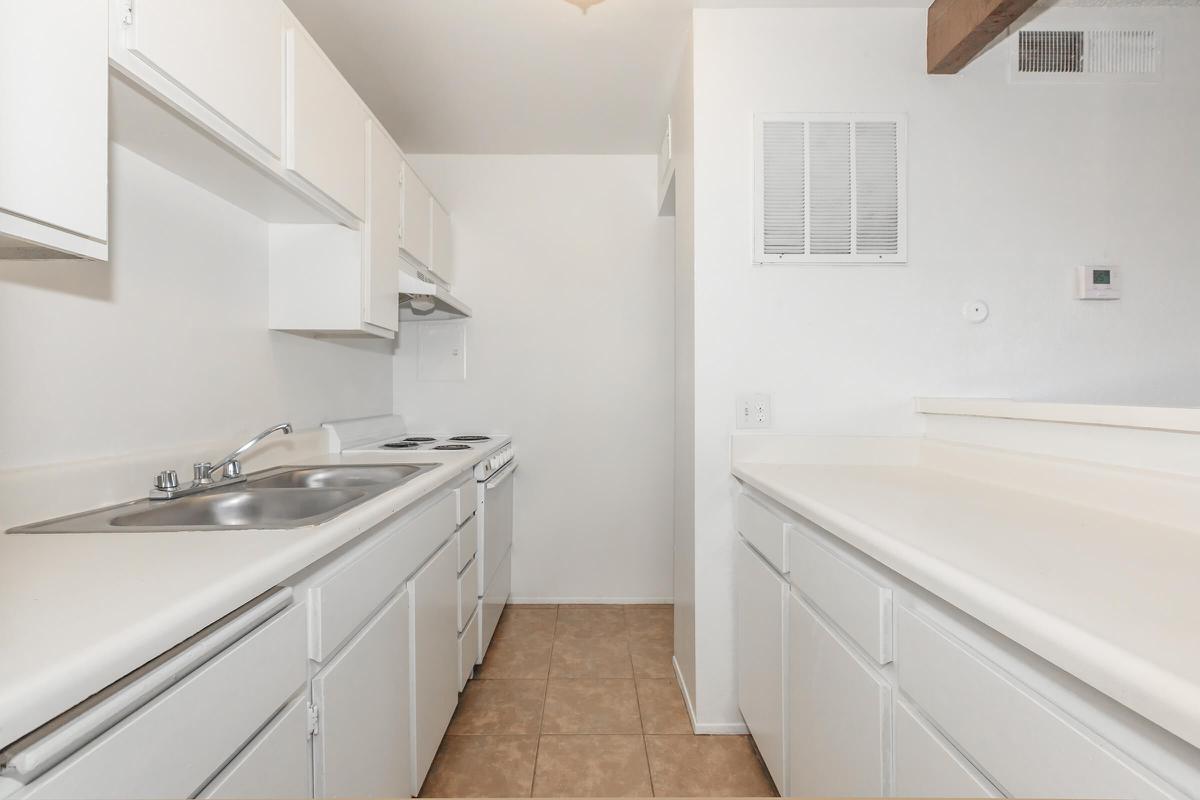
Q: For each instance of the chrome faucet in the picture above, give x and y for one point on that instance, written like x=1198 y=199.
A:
x=228 y=470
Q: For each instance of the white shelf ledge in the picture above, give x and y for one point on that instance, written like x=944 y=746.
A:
x=1185 y=420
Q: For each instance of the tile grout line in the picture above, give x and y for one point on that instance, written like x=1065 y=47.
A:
x=637 y=696
x=537 y=750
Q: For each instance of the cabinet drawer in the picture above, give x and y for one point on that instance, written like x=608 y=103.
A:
x=275 y=765
x=343 y=601
x=929 y=766
x=468 y=651
x=856 y=603
x=765 y=532
x=171 y=746
x=468 y=588
x=465 y=497
x=1014 y=736
x=468 y=542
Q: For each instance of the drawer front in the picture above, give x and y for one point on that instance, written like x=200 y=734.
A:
x=464 y=501
x=170 y=747
x=765 y=532
x=344 y=601
x=468 y=542
x=468 y=651
x=275 y=765
x=468 y=598
x=929 y=766
x=1015 y=737
x=856 y=603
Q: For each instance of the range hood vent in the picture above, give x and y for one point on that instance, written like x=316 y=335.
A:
x=424 y=299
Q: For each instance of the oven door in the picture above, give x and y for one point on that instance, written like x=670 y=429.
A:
x=497 y=520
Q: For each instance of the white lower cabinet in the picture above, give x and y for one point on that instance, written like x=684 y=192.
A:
x=277 y=764
x=761 y=657
x=929 y=766
x=435 y=656
x=361 y=748
x=838 y=710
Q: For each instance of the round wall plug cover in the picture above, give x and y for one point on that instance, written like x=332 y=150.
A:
x=975 y=311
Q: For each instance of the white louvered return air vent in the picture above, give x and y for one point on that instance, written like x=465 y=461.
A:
x=1087 y=56
x=830 y=189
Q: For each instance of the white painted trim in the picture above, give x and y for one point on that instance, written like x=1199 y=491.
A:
x=705 y=728
x=590 y=601
x=1186 y=420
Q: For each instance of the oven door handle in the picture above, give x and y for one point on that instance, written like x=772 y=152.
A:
x=501 y=476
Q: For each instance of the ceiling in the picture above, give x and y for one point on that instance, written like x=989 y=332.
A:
x=515 y=76
x=527 y=76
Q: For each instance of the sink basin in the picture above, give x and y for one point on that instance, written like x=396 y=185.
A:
x=277 y=499
x=251 y=508
x=338 y=477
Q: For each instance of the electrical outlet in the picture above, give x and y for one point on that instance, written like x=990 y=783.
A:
x=754 y=411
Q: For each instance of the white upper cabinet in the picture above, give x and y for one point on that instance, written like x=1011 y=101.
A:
x=416 y=230
x=381 y=254
x=54 y=128
x=441 y=259
x=324 y=143
x=228 y=54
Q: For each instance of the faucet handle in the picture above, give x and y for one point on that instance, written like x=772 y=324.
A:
x=167 y=480
x=202 y=472
x=233 y=470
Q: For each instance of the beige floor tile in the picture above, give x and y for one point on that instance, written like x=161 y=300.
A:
x=499 y=707
x=590 y=621
x=524 y=620
x=591 y=766
x=519 y=656
x=652 y=659
x=706 y=766
x=591 y=706
x=661 y=705
x=606 y=657
x=650 y=623
x=482 y=766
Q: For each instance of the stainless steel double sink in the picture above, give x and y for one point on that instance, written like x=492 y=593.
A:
x=279 y=498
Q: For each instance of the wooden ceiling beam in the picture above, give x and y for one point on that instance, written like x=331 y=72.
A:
x=959 y=30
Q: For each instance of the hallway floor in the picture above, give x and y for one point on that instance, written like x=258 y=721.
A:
x=581 y=701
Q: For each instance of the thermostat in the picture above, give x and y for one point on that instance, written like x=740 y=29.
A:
x=1098 y=283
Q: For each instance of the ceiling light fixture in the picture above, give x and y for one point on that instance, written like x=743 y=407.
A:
x=584 y=5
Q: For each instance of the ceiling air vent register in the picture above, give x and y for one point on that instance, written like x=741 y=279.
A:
x=830 y=189
x=1087 y=56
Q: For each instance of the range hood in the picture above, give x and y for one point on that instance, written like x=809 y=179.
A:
x=423 y=299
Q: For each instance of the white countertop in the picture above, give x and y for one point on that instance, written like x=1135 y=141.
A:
x=78 y=611
x=1113 y=600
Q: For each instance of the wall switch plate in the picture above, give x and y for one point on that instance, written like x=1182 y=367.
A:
x=753 y=411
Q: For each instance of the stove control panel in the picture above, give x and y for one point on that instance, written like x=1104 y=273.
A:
x=494 y=463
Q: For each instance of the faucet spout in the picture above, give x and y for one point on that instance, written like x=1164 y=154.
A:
x=231 y=460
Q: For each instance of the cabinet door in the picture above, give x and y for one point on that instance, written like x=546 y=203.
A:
x=929 y=766
x=361 y=748
x=226 y=53
x=838 y=709
x=761 y=633
x=435 y=665
x=441 y=256
x=381 y=270
x=324 y=132
x=277 y=764
x=54 y=123
x=416 y=230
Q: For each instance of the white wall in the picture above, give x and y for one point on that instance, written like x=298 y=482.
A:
x=167 y=344
x=568 y=270
x=1010 y=187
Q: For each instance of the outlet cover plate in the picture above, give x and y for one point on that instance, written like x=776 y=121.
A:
x=753 y=411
